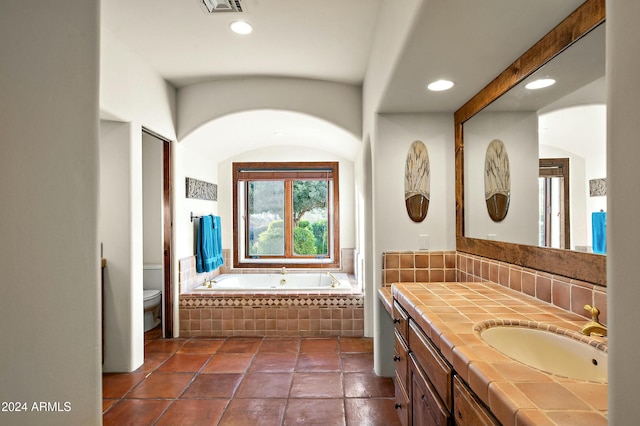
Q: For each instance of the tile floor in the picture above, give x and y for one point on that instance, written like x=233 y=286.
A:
x=251 y=381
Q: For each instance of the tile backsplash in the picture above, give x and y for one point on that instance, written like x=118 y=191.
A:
x=449 y=266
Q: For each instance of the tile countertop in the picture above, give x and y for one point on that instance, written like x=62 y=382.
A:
x=515 y=393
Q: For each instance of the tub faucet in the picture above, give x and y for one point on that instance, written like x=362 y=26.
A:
x=334 y=280
x=593 y=327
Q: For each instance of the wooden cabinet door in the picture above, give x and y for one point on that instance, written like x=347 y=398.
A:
x=426 y=406
x=469 y=411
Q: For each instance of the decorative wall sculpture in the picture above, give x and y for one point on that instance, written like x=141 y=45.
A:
x=497 y=180
x=597 y=187
x=201 y=190
x=417 y=181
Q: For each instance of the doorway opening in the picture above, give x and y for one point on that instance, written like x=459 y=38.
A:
x=158 y=220
x=553 y=202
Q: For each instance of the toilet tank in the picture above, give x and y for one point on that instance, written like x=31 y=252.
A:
x=152 y=277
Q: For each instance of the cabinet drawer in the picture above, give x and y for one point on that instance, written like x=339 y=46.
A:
x=468 y=408
x=437 y=369
x=401 y=320
x=426 y=406
x=403 y=407
x=401 y=360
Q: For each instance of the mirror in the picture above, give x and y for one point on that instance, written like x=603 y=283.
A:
x=564 y=121
x=533 y=125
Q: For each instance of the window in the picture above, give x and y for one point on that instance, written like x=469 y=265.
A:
x=286 y=214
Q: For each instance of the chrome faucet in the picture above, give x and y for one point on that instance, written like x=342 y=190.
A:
x=594 y=327
x=284 y=271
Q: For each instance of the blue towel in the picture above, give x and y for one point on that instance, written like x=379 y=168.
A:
x=599 y=232
x=209 y=244
x=217 y=242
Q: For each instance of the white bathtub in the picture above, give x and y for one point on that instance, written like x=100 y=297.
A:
x=279 y=282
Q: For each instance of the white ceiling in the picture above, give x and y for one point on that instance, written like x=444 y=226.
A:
x=469 y=42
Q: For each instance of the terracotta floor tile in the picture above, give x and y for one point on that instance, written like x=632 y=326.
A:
x=321 y=412
x=371 y=412
x=357 y=362
x=318 y=362
x=356 y=344
x=316 y=385
x=116 y=385
x=135 y=412
x=194 y=412
x=241 y=345
x=367 y=385
x=265 y=385
x=161 y=385
x=280 y=345
x=319 y=345
x=166 y=346
x=213 y=386
x=152 y=361
x=107 y=403
x=184 y=363
x=274 y=362
x=201 y=346
x=254 y=412
x=228 y=363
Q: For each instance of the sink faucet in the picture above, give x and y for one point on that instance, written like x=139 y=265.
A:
x=593 y=327
x=284 y=271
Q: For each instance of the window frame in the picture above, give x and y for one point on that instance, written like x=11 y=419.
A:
x=244 y=172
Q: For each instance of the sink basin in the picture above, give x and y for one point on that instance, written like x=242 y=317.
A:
x=549 y=352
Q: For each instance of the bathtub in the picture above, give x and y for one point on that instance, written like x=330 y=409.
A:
x=279 y=282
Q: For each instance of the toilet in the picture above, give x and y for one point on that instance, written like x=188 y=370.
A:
x=153 y=284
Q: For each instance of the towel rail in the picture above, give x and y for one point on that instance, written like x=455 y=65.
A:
x=198 y=217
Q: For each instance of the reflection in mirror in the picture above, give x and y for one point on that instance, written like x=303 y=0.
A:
x=564 y=122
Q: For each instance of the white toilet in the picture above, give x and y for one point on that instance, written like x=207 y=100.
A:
x=153 y=284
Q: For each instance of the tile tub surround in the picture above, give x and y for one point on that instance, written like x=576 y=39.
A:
x=261 y=314
x=515 y=393
x=452 y=266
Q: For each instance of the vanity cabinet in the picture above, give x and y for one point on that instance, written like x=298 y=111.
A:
x=469 y=411
x=428 y=392
x=401 y=360
x=426 y=405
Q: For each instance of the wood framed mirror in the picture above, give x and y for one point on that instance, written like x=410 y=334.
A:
x=582 y=266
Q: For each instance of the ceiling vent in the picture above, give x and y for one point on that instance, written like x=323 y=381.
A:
x=221 y=6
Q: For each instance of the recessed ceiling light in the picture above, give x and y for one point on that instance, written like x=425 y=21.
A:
x=440 y=85
x=540 y=83
x=240 y=27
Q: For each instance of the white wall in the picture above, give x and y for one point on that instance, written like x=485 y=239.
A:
x=48 y=181
x=391 y=228
x=393 y=28
x=519 y=133
x=190 y=163
x=152 y=193
x=394 y=229
x=120 y=232
x=132 y=92
x=623 y=151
